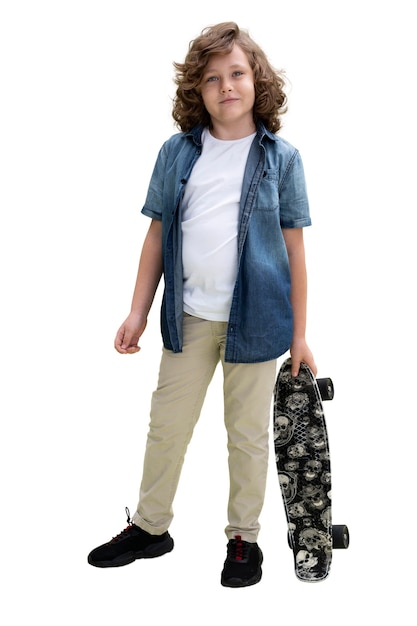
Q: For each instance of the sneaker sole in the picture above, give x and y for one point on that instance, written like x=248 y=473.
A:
x=152 y=551
x=238 y=582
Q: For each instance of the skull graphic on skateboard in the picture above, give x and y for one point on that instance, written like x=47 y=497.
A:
x=303 y=464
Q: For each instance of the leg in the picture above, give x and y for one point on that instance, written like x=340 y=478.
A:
x=248 y=390
x=175 y=409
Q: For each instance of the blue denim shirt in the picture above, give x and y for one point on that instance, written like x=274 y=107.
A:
x=260 y=325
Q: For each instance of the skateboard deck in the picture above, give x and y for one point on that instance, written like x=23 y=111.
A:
x=303 y=464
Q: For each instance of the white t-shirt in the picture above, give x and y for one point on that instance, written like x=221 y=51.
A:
x=210 y=215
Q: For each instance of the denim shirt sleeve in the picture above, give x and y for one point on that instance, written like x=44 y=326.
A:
x=153 y=206
x=293 y=199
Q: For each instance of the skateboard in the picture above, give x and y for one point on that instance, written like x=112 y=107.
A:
x=303 y=464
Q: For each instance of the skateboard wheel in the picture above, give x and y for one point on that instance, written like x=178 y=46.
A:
x=326 y=388
x=340 y=537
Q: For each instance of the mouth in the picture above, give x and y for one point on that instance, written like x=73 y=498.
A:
x=228 y=100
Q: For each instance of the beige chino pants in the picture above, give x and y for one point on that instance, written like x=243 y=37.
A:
x=176 y=405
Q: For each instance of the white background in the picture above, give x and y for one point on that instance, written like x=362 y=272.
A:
x=86 y=90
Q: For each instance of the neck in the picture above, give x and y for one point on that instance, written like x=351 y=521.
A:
x=228 y=133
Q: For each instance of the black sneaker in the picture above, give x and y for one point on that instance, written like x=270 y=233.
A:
x=131 y=544
x=242 y=566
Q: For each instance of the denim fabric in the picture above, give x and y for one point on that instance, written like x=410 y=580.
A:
x=273 y=197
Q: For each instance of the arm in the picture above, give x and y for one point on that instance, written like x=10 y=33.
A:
x=147 y=281
x=296 y=254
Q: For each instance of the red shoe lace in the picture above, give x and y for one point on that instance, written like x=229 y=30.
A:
x=239 y=548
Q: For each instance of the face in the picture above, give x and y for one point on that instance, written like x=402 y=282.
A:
x=228 y=93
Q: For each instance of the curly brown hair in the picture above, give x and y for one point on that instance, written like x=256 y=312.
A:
x=188 y=107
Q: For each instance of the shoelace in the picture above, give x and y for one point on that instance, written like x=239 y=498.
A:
x=126 y=530
x=238 y=548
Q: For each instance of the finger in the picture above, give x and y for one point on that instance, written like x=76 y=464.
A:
x=295 y=368
x=129 y=344
x=313 y=368
x=124 y=342
x=132 y=350
x=118 y=341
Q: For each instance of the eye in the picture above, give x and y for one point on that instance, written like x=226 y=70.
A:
x=237 y=73
x=211 y=79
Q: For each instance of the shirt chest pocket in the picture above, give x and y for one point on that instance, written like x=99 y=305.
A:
x=267 y=197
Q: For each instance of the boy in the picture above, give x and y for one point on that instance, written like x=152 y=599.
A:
x=228 y=203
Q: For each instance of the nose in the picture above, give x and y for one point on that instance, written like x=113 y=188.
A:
x=225 y=86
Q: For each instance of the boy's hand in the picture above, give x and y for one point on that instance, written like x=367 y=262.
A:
x=301 y=352
x=127 y=338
